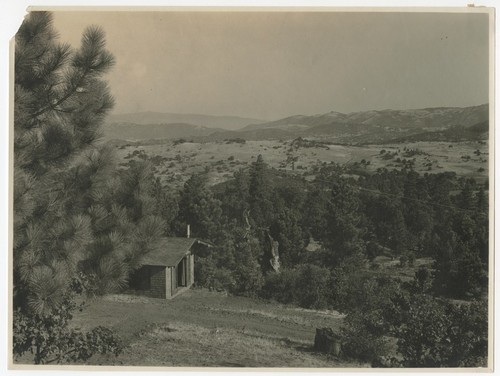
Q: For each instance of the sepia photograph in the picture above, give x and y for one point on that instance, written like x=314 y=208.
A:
x=252 y=188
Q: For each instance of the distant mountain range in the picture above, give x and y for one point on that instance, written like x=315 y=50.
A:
x=420 y=118
x=209 y=121
x=134 y=131
x=428 y=124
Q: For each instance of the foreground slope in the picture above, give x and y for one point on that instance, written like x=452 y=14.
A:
x=205 y=329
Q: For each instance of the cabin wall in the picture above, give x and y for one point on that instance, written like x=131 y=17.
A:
x=158 y=288
x=163 y=281
x=149 y=280
x=169 y=286
x=190 y=269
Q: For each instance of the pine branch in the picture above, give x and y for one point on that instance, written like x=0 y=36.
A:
x=91 y=60
x=65 y=97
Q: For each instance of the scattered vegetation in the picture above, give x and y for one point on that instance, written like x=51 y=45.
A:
x=236 y=140
x=81 y=225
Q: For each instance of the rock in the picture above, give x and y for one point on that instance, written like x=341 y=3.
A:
x=327 y=341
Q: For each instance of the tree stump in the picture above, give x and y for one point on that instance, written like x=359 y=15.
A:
x=327 y=341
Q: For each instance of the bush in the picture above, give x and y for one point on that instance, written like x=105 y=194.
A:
x=312 y=286
x=247 y=271
x=411 y=258
x=403 y=260
x=280 y=286
x=50 y=340
x=305 y=285
x=359 y=339
x=208 y=275
x=423 y=280
x=236 y=140
x=442 y=334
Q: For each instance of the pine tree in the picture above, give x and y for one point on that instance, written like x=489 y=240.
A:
x=343 y=234
x=235 y=196
x=416 y=212
x=60 y=103
x=259 y=194
x=199 y=208
x=80 y=224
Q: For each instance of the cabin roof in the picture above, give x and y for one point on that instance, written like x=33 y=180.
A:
x=169 y=251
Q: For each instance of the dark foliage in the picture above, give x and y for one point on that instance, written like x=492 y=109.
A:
x=396 y=214
x=75 y=214
x=50 y=339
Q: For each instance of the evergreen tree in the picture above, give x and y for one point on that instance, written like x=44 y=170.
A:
x=234 y=197
x=465 y=198
x=80 y=225
x=385 y=215
x=417 y=213
x=482 y=200
x=247 y=271
x=343 y=235
x=60 y=103
x=314 y=213
x=259 y=194
x=200 y=209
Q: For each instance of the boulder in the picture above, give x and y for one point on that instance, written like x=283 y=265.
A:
x=327 y=341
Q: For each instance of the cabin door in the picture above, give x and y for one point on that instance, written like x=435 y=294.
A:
x=182 y=273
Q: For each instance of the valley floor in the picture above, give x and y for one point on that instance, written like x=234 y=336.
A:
x=174 y=163
x=205 y=329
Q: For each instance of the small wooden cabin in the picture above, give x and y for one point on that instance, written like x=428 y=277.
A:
x=168 y=270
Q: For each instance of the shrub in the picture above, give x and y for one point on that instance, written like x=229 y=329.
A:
x=208 y=275
x=280 y=286
x=436 y=334
x=305 y=285
x=411 y=258
x=423 y=279
x=312 y=286
x=179 y=141
x=50 y=340
x=403 y=260
x=247 y=271
x=360 y=340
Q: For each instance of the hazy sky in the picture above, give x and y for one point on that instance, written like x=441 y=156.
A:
x=274 y=64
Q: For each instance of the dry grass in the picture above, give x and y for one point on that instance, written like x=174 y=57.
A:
x=205 y=329
x=221 y=160
x=180 y=344
x=281 y=317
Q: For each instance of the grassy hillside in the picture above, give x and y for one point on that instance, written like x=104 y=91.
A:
x=205 y=329
x=477 y=131
x=175 y=163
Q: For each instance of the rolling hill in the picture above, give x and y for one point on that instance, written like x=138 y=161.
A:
x=428 y=124
x=440 y=117
x=380 y=126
